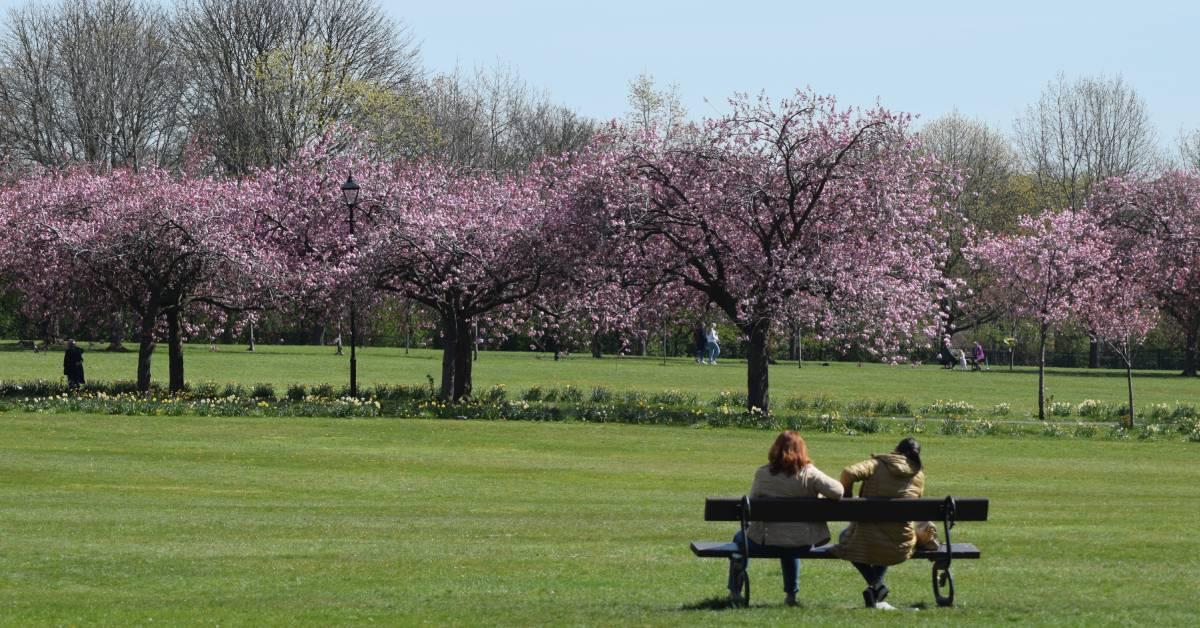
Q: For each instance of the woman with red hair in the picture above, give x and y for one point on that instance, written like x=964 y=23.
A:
x=789 y=473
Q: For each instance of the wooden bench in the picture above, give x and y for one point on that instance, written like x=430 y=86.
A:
x=948 y=511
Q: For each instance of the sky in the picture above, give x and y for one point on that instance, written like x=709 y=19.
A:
x=990 y=60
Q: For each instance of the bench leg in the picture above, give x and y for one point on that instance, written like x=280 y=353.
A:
x=943 y=581
x=740 y=591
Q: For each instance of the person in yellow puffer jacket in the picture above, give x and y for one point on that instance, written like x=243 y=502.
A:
x=872 y=547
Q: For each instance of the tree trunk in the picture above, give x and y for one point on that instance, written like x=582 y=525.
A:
x=1042 y=374
x=316 y=335
x=116 y=332
x=174 y=352
x=456 y=358
x=1129 y=381
x=596 y=346
x=1093 y=352
x=145 y=350
x=251 y=347
x=799 y=349
x=757 y=384
x=1190 y=350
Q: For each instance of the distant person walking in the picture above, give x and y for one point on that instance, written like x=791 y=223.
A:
x=337 y=342
x=73 y=365
x=713 y=345
x=699 y=342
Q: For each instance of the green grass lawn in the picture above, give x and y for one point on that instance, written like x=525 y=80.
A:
x=187 y=520
x=283 y=365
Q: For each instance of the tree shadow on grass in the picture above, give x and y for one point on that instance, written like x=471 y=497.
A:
x=1099 y=373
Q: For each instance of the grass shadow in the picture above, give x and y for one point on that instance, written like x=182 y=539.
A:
x=721 y=603
x=1097 y=373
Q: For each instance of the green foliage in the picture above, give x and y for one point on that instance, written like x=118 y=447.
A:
x=263 y=392
x=297 y=392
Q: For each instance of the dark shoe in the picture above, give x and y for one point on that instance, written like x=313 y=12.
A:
x=881 y=592
x=790 y=600
x=869 y=597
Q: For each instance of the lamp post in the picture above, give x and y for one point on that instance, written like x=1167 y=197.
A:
x=350 y=197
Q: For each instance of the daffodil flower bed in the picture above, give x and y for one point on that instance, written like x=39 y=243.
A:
x=1159 y=421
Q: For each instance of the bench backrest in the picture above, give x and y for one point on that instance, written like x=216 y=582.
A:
x=849 y=509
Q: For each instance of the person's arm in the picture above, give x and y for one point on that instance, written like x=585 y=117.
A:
x=847 y=483
x=827 y=486
x=856 y=473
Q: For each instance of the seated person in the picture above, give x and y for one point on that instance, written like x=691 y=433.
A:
x=978 y=357
x=790 y=473
x=947 y=357
x=872 y=547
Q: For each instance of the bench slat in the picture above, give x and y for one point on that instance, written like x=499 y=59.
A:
x=849 y=509
x=718 y=549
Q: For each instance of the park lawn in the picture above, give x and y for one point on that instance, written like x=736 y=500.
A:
x=843 y=381
x=251 y=521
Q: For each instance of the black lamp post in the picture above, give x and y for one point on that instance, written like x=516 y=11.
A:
x=350 y=196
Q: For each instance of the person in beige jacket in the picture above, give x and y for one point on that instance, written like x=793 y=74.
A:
x=789 y=473
x=872 y=547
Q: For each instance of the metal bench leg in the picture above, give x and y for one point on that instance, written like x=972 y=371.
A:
x=740 y=562
x=741 y=580
x=943 y=580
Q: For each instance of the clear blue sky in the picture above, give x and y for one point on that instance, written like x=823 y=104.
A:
x=988 y=59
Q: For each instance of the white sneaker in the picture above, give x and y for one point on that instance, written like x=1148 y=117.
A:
x=884 y=606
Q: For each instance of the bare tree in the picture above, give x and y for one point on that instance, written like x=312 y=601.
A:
x=654 y=110
x=987 y=199
x=90 y=80
x=30 y=105
x=267 y=76
x=122 y=82
x=1189 y=149
x=1082 y=132
x=492 y=120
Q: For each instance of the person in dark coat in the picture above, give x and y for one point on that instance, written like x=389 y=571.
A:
x=699 y=342
x=73 y=365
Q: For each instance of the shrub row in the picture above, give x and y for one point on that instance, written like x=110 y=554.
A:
x=669 y=408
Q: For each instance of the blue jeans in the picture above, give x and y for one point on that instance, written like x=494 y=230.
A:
x=873 y=574
x=712 y=351
x=790 y=566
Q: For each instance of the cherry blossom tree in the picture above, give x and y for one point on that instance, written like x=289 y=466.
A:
x=302 y=216
x=155 y=245
x=471 y=246
x=1157 y=222
x=1046 y=271
x=1120 y=310
x=778 y=201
